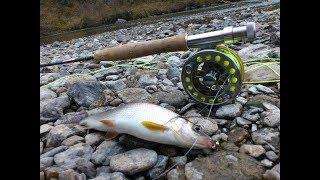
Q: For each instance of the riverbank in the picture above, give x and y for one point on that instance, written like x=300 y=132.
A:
x=248 y=129
x=66 y=15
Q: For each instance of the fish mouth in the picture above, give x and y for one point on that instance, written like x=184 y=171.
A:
x=206 y=142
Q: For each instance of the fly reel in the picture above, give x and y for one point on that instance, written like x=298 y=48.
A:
x=213 y=76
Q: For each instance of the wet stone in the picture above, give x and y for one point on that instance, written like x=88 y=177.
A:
x=272 y=156
x=94 y=139
x=58 y=134
x=267 y=163
x=54 y=151
x=158 y=168
x=175 y=98
x=252 y=150
x=86 y=167
x=237 y=135
x=44 y=128
x=176 y=174
x=103 y=170
x=67 y=159
x=229 y=111
x=71 y=174
x=133 y=161
x=228 y=146
x=241 y=121
x=87 y=93
x=111 y=176
x=53 y=172
x=72 y=140
x=116 y=85
x=135 y=95
x=105 y=151
x=178 y=160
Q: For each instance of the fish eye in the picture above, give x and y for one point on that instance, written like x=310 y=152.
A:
x=197 y=128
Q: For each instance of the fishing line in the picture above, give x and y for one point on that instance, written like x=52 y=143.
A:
x=217 y=95
x=165 y=172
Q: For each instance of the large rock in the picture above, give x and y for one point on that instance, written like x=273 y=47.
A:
x=58 y=134
x=224 y=165
x=66 y=81
x=252 y=150
x=46 y=93
x=67 y=159
x=255 y=51
x=111 y=176
x=104 y=151
x=54 y=151
x=229 y=111
x=72 y=140
x=103 y=170
x=44 y=128
x=87 y=93
x=174 y=72
x=271 y=118
x=147 y=80
x=135 y=95
x=272 y=156
x=176 y=174
x=53 y=172
x=133 y=161
x=174 y=61
x=229 y=146
x=266 y=136
x=238 y=135
x=71 y=174
x=94 y=139
x=259 y=73
x=108 y=71
x=273 y=174
x=48 y=77
x=252 y=114
x=158 y=168
x=174 y=98
x=178 y=160
x=72 y=118
x=86 y=167
x=116 y=85
x=46 y=161
x=52 y=109
x=258 y=101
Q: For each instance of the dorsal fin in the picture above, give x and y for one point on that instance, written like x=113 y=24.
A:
x=153 y=126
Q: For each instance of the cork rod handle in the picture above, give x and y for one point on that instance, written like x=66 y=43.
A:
x=139 y=49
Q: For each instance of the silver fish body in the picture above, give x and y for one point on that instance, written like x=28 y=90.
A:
x=150 y=122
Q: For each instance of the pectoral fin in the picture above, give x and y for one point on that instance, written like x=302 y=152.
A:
x=108 y=122
x=111 y=135
x=153 y=126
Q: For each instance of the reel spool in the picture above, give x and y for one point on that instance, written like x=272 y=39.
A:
x=213 y=76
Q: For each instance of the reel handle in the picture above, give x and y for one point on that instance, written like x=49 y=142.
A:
x=139 y=49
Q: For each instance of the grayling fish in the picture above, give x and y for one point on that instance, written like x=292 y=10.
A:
x=149 y=122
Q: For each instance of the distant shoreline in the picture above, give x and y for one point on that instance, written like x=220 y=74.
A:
x=68 y=35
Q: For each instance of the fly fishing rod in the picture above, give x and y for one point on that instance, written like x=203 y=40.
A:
x=211 y=68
